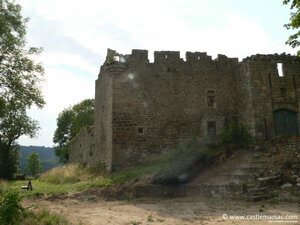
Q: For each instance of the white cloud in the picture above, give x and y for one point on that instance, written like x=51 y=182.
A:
x=93 y=26
x=63 y=89
x=55 y=59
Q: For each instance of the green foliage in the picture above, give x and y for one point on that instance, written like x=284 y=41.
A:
x=34 y=164
x=12 y=213
x=236 y=135
x=69 y=123
x=150 y=219
x=273 y=201
x=9 y=160
x=293 y=40
x=20 y=79
x=46 y=155
x=11 y=209
x=44 y=217
x=135 y=222
x=110 y=58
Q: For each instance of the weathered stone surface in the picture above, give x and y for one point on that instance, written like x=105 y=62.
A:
x=143 y=109
x=286 y=186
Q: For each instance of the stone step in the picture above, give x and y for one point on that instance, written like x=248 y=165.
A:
x=268 y=180
x=257 y=191
x=238 y=177
x=259 y=162
x=248 y=170
x=256 y=198
x=200 y=191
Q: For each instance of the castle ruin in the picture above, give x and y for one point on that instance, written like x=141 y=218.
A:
x=142 y=107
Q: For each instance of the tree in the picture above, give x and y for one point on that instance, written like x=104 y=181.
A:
x=69 y=123
x=34 y=164
x=293 y=40
x=20 y=79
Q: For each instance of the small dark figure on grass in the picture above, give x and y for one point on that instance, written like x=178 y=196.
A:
x=28 y=187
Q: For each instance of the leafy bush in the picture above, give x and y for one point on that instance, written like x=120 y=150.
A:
x=236 y=135
x=10 y=208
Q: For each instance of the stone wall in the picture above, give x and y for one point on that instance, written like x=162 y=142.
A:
x=143 y=109
x=264 y=91
x=156 y=105
x=82 y=148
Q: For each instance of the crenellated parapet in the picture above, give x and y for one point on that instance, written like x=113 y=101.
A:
x=143 y=108
x=275 y=57
x=165 y=57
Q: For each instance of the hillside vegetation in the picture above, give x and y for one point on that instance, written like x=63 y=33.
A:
x=46 y=155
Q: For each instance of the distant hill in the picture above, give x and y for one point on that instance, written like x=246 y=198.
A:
x=46 y=155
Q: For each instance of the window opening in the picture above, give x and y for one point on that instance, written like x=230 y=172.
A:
x=210 y=98
x=211 y=128
x=280 y=69
x=140 y=130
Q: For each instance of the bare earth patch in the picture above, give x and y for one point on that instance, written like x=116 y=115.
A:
x=95 y=211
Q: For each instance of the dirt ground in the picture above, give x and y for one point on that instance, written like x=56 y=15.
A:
x=95 y=211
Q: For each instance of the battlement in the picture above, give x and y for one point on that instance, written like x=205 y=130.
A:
x=162 y=57
x=276 y=57
x=143 y=108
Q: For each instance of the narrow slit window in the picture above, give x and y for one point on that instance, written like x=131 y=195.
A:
x=210 y=98
x=270 y=80
x=280 y=69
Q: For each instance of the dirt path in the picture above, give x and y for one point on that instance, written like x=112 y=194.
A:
x=165 y=212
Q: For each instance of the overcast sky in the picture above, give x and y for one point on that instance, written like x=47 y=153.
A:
x=75 y=36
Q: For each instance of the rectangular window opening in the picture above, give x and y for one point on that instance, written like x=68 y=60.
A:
x=140 y=130
x=210 y=98
x=280 y=69
x=211 y=128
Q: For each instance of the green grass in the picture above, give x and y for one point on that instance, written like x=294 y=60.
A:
x=41 y=188
x=176 y=166
x=44 y=217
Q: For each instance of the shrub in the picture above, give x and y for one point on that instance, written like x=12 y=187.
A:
x=10 y=208
x=236 y=135
x=43 y=217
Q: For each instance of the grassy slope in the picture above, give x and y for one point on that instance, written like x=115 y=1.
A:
x=172 y=168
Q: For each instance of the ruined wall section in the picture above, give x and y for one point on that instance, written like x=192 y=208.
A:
x=245 y=101
x=266 y=91
x=82 y=148
x=103 y=116
x=156 y=105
